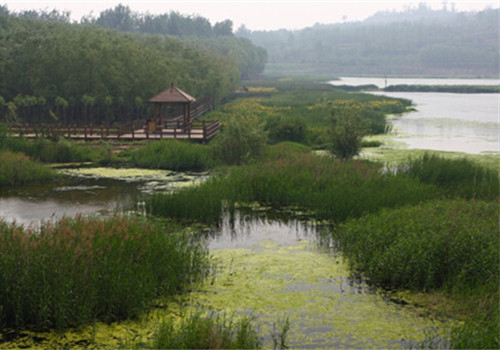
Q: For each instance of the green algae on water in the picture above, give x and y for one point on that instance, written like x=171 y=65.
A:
x=325 y=306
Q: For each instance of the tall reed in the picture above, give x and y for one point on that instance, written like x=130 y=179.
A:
x=449 y=246
x=83 y=269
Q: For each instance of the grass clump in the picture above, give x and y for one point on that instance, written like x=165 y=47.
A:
x=79 y=270
x=173 y=155
x=206 y=332
x=18 y=169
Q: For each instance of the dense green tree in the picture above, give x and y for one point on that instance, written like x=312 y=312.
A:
x=44 y=63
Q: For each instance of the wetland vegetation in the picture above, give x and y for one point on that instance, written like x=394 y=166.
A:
x=428 y=226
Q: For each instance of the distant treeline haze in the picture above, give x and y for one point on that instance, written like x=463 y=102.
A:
x=419 y=41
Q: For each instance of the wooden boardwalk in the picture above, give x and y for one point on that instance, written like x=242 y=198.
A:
x=202 y=131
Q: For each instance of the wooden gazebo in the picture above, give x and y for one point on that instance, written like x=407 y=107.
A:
x=172 y=95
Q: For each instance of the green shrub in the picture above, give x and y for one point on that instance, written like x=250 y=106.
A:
x=83 y=269
x=280 y=130
x=49 y=151
x=18 y=169
x=173 y=155
x=241 y=140
x=347 y=129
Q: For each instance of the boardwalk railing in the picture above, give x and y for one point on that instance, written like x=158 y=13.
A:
x=202 y=131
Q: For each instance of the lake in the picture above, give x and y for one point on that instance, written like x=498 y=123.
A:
x=468 y=123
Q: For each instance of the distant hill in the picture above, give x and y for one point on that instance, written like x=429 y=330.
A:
x=418 y=41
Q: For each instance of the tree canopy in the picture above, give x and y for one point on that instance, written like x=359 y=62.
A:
x=57 y=70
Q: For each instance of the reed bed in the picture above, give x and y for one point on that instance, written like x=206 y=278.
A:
x=449 y=246
x=79 y=270
x=333 y=189
x=439 y=244
x=18 y=169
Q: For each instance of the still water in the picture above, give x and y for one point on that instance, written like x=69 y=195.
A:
x=468 y=123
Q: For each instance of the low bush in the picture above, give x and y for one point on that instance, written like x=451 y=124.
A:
x=18 y=169
x=79 y=270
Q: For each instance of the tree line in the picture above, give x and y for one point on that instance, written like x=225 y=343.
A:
x=75 y=73
x=419 y=41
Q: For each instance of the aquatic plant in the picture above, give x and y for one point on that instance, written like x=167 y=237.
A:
x=449 y=246
x=333 y=189
x=439 y=244
x=73 y=271
x=18 y=169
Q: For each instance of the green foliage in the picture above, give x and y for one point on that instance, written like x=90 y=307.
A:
x=79 y=270
x=480 y=332
x=18 y=169
x=347 y=130
x=44 y=150
x=280 y=130
x=173 y=155
x=206 y=332
x=99 y=73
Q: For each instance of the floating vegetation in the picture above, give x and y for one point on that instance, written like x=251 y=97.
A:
x=151 y=180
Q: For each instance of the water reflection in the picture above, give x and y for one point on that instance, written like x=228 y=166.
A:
x=273 y=263
x=69 y=197
x=245 y=228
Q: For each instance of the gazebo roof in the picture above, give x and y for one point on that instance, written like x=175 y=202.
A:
x=172 y=95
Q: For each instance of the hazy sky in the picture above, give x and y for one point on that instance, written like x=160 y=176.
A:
x=256 y=14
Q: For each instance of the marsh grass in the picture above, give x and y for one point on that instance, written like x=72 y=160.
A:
x=74 y=271
x=197 y=331
x=332 y=189
x=439 y=244
x=449 y=246
x=173 y=155
x=458 y=177
x=18 y=169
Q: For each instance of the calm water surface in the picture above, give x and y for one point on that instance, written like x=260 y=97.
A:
x=468 y=123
